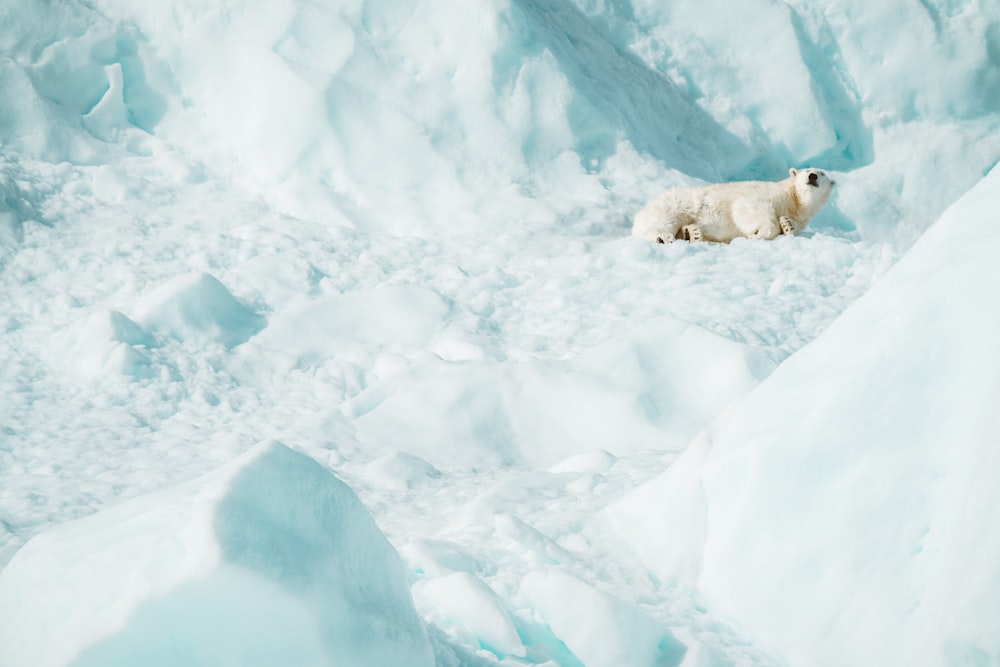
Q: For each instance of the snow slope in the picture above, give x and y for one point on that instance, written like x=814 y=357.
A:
x=845 y=510
x=394 y=236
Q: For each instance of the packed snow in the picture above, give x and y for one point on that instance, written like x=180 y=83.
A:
x=272 y=542
x=323 y=338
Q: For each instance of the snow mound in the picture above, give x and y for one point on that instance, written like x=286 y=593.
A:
x=598 y=629
x=845 y=512
x=109 y=342
x=401 y=471
x=11 y=230
x=269 y=560
x=199 y=308
x=386 y=318
x=437 y=558
x=597 y=462
x=470 y=612
x=637 y=391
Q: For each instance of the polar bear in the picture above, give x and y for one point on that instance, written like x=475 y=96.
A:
x=724 y=211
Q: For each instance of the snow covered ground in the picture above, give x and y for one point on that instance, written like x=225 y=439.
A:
x=262 y=260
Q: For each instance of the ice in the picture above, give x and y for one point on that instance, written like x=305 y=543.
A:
x=395 y=235
x=269 y=559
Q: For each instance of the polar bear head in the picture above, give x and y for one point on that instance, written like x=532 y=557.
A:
x=812 y=187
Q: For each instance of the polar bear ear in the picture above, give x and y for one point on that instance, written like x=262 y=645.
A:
x=792 y=172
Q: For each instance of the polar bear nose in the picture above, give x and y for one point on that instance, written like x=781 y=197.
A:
x=813 y=178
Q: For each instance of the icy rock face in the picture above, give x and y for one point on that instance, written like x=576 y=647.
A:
x=845 y=512
x=270 y=560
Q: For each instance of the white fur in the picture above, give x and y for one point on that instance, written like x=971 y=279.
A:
x=724 y=211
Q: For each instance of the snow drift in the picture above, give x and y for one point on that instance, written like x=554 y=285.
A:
x=270 y=560
x=630 y=394
x=845 y=511
x=197 y=308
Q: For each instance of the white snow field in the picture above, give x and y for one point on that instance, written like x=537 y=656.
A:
x=323 y=339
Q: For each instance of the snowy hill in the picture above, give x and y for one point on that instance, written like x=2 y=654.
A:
x=845 y=510
x=393 y=235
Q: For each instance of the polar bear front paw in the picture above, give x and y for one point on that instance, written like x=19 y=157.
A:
x=786 y=225
x=692 y=233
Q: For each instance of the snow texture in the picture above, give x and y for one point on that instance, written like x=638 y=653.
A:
x=395 y=236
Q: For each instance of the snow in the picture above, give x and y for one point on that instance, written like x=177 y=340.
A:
x=197 y=307
x=597 y=628
x=461 y=604
x=394 y=235
x=108 y=342
x=869 y=502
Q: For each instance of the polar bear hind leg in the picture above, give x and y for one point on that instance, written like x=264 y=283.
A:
x=754 y=224
x=660 y=223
